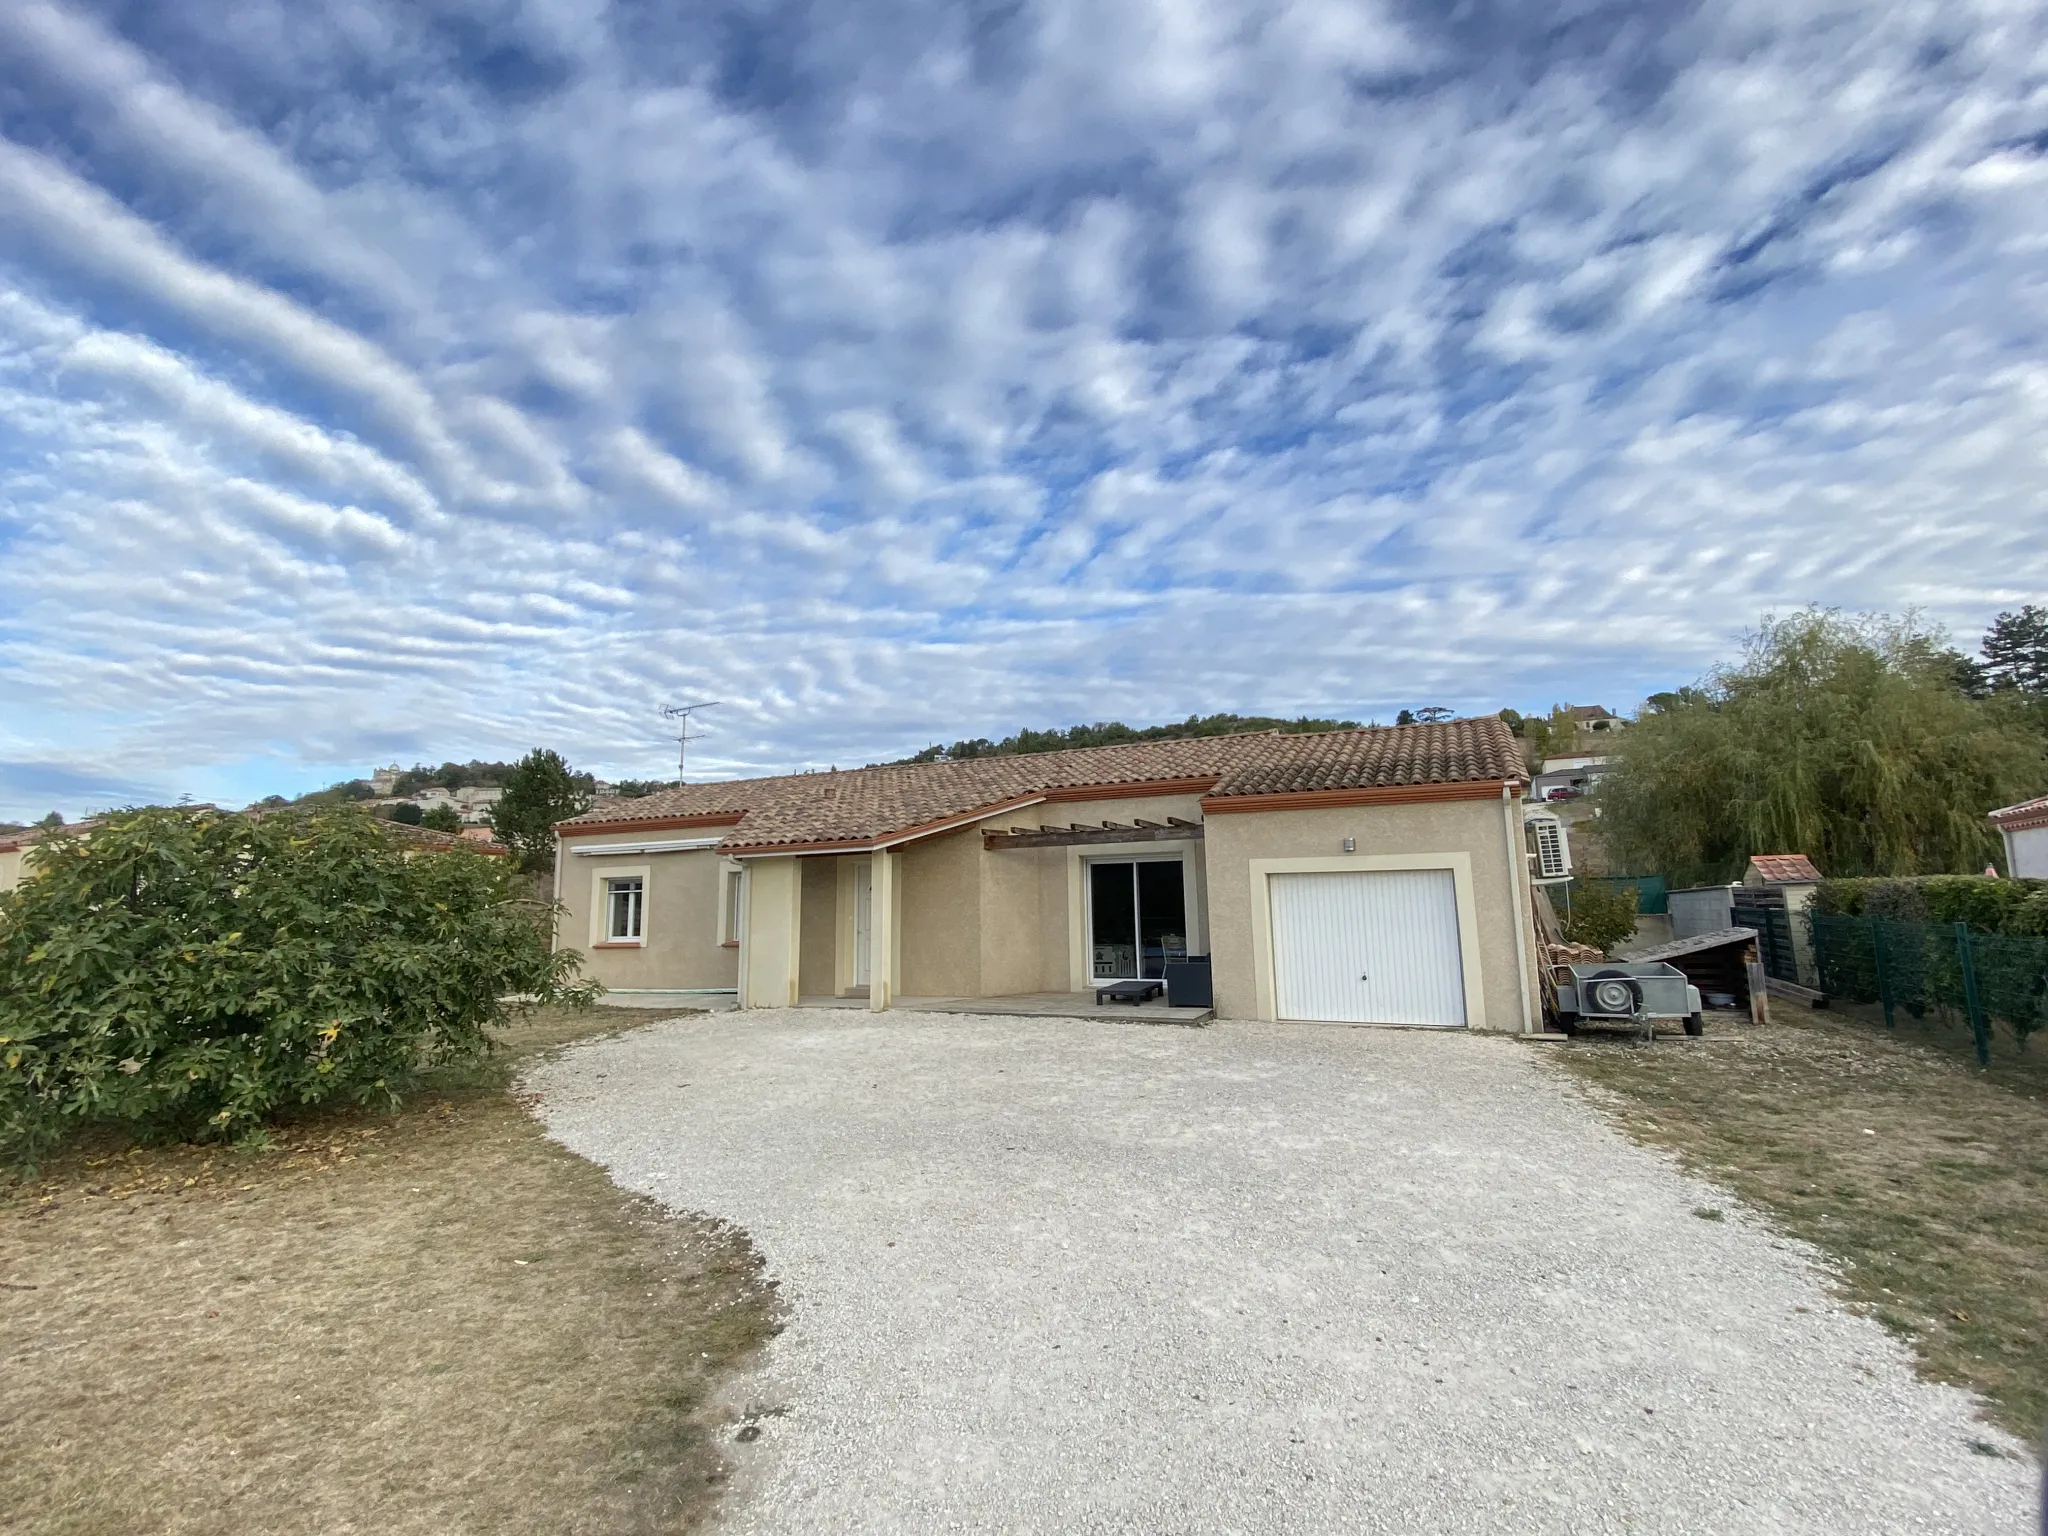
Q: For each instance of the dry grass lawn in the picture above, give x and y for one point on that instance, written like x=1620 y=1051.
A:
x=431 y=1322
x=1924 y=1175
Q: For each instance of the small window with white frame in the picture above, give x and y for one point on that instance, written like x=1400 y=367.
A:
x=733 y=888
x=625 y=907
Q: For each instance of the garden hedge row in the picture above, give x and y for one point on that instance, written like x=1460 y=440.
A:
x=1987 y=904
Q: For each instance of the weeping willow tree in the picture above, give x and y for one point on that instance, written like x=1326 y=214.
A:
x=1846 y=739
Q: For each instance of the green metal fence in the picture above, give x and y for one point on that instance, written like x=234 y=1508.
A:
x=1651 y=892
x=1948 y=969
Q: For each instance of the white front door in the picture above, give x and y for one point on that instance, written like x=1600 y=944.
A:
x=863 y=923
x=1368 y=947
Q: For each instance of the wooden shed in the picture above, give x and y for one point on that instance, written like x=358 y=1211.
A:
x=1724 y=961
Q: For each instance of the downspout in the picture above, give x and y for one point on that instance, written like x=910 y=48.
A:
x=1516 y=864
x=555 y=924
x=746 y=901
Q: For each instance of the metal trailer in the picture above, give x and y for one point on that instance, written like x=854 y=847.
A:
x=1621 y=994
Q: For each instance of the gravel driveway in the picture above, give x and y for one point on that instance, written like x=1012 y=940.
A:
x=1052 y=1275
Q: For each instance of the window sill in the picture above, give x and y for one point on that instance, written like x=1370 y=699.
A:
x=621 y=944
x=729 y=944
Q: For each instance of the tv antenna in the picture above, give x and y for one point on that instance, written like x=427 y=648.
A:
x=683 y=712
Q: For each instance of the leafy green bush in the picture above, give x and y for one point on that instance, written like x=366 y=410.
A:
x=1600 y=914
x=190 y=972
x=441 y=818
x=2012 y=907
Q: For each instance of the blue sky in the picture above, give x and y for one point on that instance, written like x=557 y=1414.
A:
x=418 y=380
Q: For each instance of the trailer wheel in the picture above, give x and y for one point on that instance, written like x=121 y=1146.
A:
x=1695 y=1025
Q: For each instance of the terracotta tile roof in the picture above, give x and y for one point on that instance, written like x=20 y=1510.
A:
x=28 y=837
x=1785 y=868
x=434 y=837
x=1454 y=751
x=2026 y=810
x=860 y=805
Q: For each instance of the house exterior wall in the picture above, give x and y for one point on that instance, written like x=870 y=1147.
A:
x=10 y=868
x=1030 y=913
x=771 y=933
x=818 y=937
x=942 y=927
x=1476 y=829
x=2026 y=853
x=1023 y=921
x=682 y=948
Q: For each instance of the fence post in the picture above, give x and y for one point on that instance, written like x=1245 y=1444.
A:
x=1980 y=1027
x=1884 y=975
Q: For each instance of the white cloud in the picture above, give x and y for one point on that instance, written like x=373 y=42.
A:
x=910 y=381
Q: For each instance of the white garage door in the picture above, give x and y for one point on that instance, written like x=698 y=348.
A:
x=1368 y=947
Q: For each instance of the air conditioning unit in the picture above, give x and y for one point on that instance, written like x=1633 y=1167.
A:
x=1550 y=849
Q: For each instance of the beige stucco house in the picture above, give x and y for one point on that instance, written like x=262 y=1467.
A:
x=1370 y=876
x=17 y=853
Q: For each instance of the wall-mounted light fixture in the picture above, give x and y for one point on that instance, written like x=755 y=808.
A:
x=1351 y=845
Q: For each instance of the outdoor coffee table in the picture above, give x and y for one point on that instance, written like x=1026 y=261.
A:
x=1132 y=992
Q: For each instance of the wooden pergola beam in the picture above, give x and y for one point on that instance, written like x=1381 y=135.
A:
x=1078 y=835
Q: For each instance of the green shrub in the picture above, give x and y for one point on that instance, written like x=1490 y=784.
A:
x=441 y=818
x=1600 y=914
x=2012 y=907
x=191 y=972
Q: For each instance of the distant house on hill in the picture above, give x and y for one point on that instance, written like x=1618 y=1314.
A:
x=1595 y=717
x=1574 y=761
x=472 y=802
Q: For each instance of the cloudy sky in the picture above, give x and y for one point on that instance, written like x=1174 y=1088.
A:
x=433 y=379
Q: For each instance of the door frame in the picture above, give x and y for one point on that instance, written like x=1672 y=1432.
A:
x=846 y=953
x=1194 y=884
x=1187 y=907
x=1460 y=866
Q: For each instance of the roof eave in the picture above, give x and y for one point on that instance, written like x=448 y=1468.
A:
x=1362 y=795
x=885 y=840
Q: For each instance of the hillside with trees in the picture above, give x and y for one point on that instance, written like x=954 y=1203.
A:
x=416 y=778
x=1111 y=733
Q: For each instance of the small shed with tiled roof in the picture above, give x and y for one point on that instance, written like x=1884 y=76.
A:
x=1367 y=876
x=1781 y=869
x=1787 y=881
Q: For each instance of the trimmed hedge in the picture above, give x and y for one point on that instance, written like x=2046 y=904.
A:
x=1988 y=905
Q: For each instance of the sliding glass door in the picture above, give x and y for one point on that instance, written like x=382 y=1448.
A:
x=1137 y=918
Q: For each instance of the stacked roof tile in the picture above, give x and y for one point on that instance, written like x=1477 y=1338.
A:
x=861 y=805
x=2028 y=813
x=1785 y=868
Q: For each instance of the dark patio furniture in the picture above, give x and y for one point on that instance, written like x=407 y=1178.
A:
x=1132 y=992
x=1187 y=983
